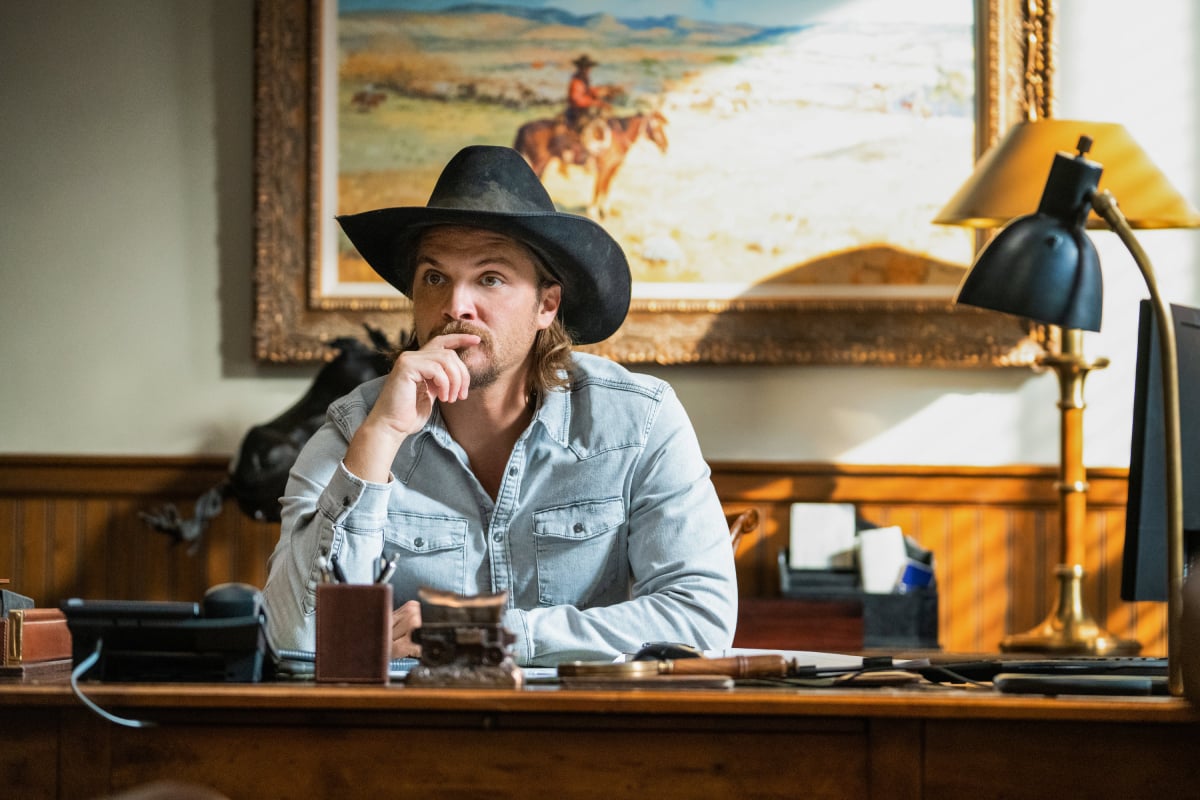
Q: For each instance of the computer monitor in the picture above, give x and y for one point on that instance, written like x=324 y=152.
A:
x=1144 y=566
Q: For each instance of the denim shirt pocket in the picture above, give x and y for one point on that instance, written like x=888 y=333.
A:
x=578 y=551
x=433 y=552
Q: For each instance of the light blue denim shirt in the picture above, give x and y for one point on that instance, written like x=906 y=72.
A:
x=606 y=531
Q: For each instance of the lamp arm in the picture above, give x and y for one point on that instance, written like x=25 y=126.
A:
x=1106 y=206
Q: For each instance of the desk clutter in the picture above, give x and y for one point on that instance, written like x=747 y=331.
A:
x=220 y=639
x=464 y=642
x=223 y=639
x=836 y=555
x=34 y=642
x=354 y=632
x=895 y=620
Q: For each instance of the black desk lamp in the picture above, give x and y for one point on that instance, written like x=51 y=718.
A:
x=1044 y=266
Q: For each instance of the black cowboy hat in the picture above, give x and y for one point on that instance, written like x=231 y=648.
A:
x=585 y=61
x=494 y=188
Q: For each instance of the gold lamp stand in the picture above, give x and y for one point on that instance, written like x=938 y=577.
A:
x=1070 y=629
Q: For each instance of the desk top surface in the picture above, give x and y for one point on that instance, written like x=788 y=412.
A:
x=896 y=703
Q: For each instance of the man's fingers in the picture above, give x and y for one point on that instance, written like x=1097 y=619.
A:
x=405 y=618
x=454 y=341
x=448 y=376
x=445 y=349
x=441 y=371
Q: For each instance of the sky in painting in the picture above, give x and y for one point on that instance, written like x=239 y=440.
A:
x=757 y=12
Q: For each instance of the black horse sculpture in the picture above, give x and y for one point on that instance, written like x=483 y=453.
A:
x=258 y=475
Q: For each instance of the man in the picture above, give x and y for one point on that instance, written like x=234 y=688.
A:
x=492 y=458
x=584 y=102
x=583 y=130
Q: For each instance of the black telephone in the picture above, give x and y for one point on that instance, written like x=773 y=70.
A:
x=221 y=639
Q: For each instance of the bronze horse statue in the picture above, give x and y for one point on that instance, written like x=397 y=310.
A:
x=545 y=140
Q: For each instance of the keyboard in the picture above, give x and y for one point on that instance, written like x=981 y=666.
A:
x=985 y=670
x=1081 y=683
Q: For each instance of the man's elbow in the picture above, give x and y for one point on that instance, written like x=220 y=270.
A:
x=716 y=622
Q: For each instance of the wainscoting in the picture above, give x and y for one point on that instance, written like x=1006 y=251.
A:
x=69 y=526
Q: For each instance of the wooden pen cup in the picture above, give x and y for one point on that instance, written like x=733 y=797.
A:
x=354 y=632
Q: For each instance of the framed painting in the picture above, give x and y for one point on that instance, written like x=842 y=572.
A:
x=781 y=161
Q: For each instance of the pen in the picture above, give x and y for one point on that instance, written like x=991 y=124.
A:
x=388 y=569
x=323 y=565
x=338 y=574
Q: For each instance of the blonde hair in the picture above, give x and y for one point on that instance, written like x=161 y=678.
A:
x=551 y=359
x=551 y=346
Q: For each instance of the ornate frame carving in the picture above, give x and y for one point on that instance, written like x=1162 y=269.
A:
x=1014 y=46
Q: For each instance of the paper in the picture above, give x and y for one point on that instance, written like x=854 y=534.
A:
x=822 y=536
x=539 y=673
x=881 y=558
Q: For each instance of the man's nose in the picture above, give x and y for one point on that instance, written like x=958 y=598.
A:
x=461 y=302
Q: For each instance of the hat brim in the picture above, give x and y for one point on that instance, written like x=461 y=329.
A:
x=581 y=255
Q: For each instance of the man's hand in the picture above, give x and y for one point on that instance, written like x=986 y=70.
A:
x=405 y=620
x=435 y=372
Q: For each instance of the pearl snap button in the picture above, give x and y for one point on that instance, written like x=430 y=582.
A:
x=418 y=542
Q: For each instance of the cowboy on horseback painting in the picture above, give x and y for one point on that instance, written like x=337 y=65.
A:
x=588 y=134
x=584 y=131
x=584 y=101
x=779 y=114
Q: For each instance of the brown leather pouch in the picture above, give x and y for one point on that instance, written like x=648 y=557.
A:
x=354 y=632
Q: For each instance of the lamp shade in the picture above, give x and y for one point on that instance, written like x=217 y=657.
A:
x=1043 y=265
x=1001 y=188
x=1041 y=269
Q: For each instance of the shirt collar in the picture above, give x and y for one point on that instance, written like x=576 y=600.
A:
x=435 y=426
x=553 y=414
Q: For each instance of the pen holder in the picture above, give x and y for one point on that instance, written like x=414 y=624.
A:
x=354 y=632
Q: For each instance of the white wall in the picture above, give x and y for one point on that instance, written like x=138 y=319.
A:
x=126 y=253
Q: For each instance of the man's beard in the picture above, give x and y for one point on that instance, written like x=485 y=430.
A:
x=486 y=374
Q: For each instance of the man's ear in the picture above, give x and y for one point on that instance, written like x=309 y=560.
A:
x=548 y=304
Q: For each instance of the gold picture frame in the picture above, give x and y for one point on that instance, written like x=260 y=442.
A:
x=295 y=323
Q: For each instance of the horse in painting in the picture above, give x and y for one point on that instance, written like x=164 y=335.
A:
x=543 y=141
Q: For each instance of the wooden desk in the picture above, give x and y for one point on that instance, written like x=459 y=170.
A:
x=303 y=740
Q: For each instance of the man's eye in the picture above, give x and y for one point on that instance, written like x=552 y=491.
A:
x=431 y=279
x=491 y=280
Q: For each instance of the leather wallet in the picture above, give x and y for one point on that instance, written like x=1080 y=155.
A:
x=354 y=632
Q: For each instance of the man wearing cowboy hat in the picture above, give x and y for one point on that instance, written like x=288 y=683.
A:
x=584 y=118
x=492 y=458
x=583 y=101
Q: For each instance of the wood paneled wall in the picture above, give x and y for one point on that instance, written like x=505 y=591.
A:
x=69 y=526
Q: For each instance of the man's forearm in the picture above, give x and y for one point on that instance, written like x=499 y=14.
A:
x=371 y=451
x=701 y=613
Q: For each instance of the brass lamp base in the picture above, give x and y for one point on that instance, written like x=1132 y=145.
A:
x=1070 y=629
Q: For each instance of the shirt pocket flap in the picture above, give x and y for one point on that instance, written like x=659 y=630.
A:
x=422 y=534
x=580 y=520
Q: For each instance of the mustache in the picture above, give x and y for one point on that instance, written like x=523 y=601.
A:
x=458 y=326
